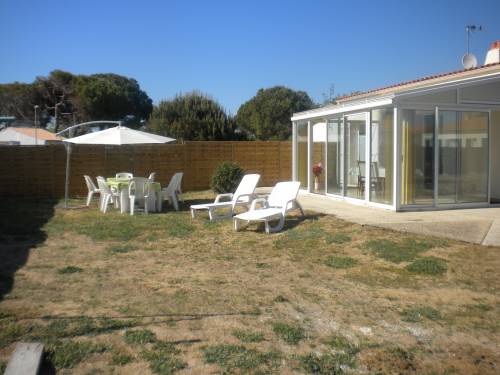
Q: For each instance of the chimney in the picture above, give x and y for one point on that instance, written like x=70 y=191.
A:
x=493 y=55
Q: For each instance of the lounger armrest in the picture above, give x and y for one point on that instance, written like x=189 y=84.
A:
x=238 y=199
x=285 y=207
x=226 y=195
x=262 y=201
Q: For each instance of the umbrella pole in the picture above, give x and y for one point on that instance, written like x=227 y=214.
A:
x=66 y=184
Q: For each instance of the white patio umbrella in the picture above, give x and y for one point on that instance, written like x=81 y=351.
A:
x=118 y=135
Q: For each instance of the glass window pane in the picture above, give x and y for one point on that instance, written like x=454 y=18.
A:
x=318 y=156
x=382 y=152
x=417 y=143
x=448 y=156
x=302 y=154
x=335 y=146
x=355 y=156
x=472 y=176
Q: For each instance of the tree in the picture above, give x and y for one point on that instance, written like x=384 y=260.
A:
x=192 y=116
x=267 y=115
x=83 y=97
x=55 y=93
x=18 y=100
x=110 y=97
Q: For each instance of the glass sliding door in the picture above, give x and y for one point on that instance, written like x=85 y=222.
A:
x=417 y=144
x=463 y=157
x=382 y=160
x=301 y=157
x=355 y=158
x=318 y=156
x=448 y=143
x=335 y=156
x=472 y=183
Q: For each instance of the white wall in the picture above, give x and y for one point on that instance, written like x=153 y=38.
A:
x=9 y=135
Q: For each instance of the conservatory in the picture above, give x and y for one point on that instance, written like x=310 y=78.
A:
x=432 y=143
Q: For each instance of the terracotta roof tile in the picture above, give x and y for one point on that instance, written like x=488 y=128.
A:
x=41 y=134
x=405 y=83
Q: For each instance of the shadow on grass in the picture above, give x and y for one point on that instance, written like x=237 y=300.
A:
x=186 y=204
x=21 y=222
x=292 y=220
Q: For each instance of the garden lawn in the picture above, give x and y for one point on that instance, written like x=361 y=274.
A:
x=165 y=294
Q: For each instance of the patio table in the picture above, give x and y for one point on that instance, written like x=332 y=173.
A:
x=121 y=185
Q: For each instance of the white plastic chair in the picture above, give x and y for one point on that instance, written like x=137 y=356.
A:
x=124 y=175
x=92 y=189
x=108 y=195
x=152 y=177
x=173 y=192
x=283 y=198
x=243 y=196
x=139 y=190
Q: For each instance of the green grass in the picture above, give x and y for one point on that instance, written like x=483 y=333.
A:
x=248 y=336
x=63 y=328
x=397 y=252
x=10 y=332
x=67 y=354
x=401 y=354
x=416 y=314
x=428 y=266
x=337 y=238
x=304 y=236
x=117 y=227
x=69 y=269
x=339 y=342
x=3 y=366
x=336 y=261
x=291 y=334
x=321 y=364
x=139 y=337
x=163 y=358
x=237 y=357
x=120 y=249
x=280 y=299
x=121 y=359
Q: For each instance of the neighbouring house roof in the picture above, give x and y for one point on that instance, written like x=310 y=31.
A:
x=42 y=134
x=415 y=84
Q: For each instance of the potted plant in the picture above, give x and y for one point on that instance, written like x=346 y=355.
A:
x=317 y=171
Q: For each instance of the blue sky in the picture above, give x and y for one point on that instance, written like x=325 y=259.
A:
x=230 y=49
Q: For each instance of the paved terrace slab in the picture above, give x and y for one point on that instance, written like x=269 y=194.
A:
x=480 y=225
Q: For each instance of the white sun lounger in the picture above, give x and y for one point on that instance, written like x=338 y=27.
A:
x=243 y=196
x=283 y=198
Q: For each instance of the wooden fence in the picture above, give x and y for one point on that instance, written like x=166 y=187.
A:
x=39 y=171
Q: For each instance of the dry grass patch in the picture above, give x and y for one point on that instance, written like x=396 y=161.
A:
x=162 y=293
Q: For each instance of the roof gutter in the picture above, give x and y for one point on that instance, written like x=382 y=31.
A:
x=345 y=107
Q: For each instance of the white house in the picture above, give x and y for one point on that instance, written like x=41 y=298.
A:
x=26 y=136
x=429 y=143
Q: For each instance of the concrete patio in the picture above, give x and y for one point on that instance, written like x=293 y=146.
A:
x=480 y=226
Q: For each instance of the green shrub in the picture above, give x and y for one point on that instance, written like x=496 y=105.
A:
x=226 y=177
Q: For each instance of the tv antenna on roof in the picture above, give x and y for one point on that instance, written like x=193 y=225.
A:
x=469 y=60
